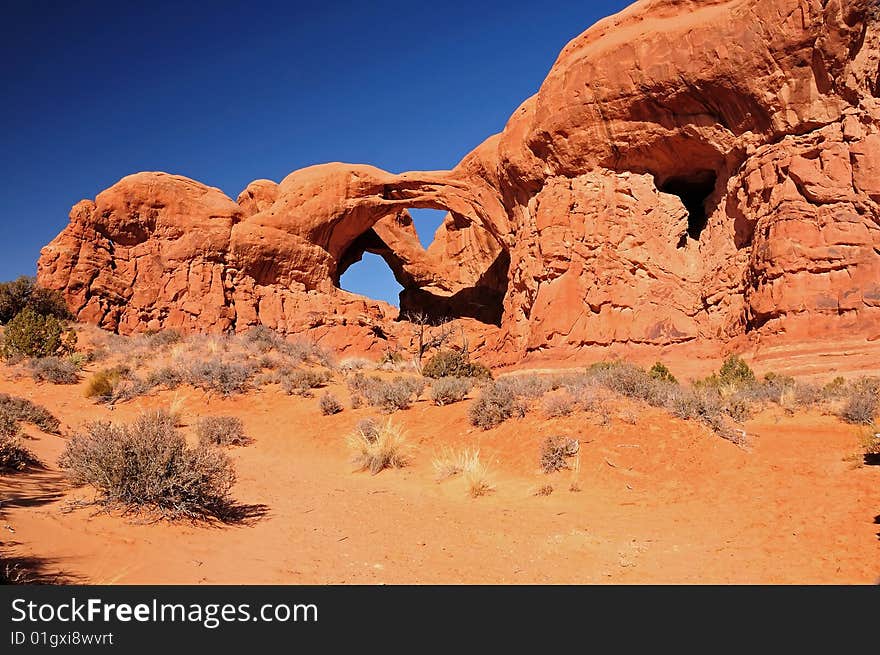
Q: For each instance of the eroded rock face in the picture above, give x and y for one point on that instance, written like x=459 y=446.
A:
x=689 y=173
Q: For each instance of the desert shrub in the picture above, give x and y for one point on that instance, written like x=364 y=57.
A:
x=354 y=364
x=633 y=382
x=445 y=391
x=307 y=352
x=221 y=431
x=148 y=464
x=329 y=404
x=555 y=451
x=163 y=338
x=55 y=370
x=29 y=334
x=559 y=405
x=583 y=390
x=23 y=293
x=14 y=456
x=302 y=381
x=374 y=451
x=454 y=364
x=169 y=377
x=264 y=339
x=127 y=387
x=544 y=490
x=226 y=378
x=23 y=410
x=102 y=383
x=836 y=388
x=659 y=371
x=494 y=405
x=368 y=428
x=528 y=387
x=392 y=395
x=807 y=395
x=739 y=409
x=871 y=444
x=391 y=359
x=862 y=402
x=697 y=404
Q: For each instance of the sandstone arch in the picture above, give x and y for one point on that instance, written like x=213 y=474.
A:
x=751 y=124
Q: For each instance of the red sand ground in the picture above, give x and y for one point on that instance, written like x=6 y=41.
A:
x=661 y=501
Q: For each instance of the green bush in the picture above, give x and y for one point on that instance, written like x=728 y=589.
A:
x=659 y=371
x=30 y=334
x=454 y=364
x=734 y=372
x=23 y=293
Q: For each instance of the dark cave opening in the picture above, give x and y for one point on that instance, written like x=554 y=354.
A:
x=693 y=190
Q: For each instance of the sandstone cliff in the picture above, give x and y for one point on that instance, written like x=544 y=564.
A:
x=690 y=172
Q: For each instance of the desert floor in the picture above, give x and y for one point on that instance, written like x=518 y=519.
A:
x=661 y=501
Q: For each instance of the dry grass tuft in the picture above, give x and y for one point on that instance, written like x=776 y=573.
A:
x=379 y=448
x=466 y=463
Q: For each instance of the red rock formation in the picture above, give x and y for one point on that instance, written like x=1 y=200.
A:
x=689 y=173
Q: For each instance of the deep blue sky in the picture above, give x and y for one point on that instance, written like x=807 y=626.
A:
x=227 y=92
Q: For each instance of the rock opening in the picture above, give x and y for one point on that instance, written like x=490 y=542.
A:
x=693 y=189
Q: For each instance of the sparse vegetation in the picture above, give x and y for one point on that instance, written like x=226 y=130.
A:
x=454 y=364
x=23 y=410
x=555 y=452
x=225 y=378
x=445 y=391
x=862 y=402
x=376 y=450
x=734 y=375
x=329 y=404
x=30 y=334
x=300 y=382
x=494 y=405
x=559 y=405
x=56 y=370
x=14 y=456
x=148 y=465
x=467 y=463
x=389 y=395
x=221 y=431
x=544 y=490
